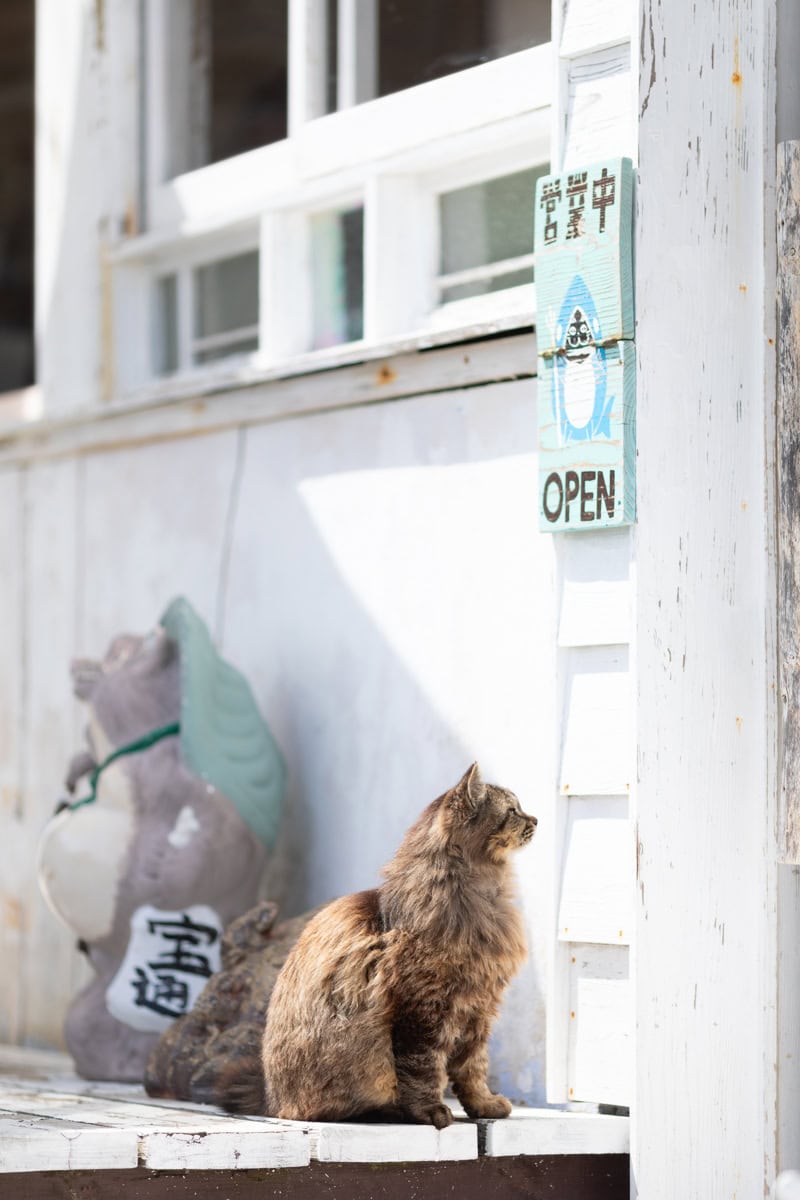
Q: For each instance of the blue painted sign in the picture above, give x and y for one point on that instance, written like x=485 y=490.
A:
x=587 y=376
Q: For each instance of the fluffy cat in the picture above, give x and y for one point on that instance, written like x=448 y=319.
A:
x=389 y=992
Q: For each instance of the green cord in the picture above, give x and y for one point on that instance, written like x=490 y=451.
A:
x=142 y=743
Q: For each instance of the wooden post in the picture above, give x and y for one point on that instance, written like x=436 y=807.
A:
x=788 y=434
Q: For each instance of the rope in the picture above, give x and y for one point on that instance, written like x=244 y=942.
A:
x=143 y=743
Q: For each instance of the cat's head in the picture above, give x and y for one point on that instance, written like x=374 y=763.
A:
x=486 y=821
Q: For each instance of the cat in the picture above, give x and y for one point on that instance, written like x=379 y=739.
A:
x=389 y=992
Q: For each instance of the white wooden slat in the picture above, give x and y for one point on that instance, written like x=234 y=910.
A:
x=597 y=755
x=589 y=26
x=550 y=1131
x=598 y=873
x=600 y=1052
x=357 y=52
x=600 y=121
x=171 y=1138
x=240 y=396
x=39 y=1144
x=121 y=1114
x=261 y=1145
x=308 y=48
x=596 y=590
x=595 y=612
x=52 y=587
x=393 y=1143
x=14 y=844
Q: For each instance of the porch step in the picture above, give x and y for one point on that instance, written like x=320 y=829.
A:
x=53 y=1121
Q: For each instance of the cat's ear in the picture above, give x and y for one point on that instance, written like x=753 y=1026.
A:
x=470 y=789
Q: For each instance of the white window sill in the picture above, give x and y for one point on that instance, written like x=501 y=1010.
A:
x=54 y=1121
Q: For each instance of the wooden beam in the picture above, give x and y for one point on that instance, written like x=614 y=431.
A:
x=590 y=1176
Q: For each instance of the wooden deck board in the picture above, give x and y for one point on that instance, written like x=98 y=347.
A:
x=53 y=1121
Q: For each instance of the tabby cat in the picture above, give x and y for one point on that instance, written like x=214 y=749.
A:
x=389 y=992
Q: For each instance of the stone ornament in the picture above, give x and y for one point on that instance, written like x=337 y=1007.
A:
x=174 y=808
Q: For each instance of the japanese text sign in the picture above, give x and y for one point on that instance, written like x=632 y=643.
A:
x=587 y=375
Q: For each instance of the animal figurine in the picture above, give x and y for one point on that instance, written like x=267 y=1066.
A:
x=174 y=806
x=390 y=992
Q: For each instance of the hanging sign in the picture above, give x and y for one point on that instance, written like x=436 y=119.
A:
x=584 y=325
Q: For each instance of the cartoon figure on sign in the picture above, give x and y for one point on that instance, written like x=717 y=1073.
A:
x=582 y=402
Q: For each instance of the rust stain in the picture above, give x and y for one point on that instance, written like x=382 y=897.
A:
x=13 y=914
x=742 y=287
x=771 y=342
x=744 y=506
x=739 y=723
x=385 y=374
x=736 y=78
x=130 y=225
x=100 y=24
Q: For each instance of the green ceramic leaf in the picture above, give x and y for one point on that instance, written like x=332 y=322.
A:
x=224 y=738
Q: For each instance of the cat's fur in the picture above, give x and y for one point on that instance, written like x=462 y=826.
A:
x=389 y=992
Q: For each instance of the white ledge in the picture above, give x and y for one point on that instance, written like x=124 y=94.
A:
x=51 y=1120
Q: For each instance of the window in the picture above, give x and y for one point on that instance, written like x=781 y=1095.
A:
x=206 y=312
x=325 y=173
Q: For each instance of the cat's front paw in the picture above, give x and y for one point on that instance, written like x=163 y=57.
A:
x=435 y=1114
x=493 y=1108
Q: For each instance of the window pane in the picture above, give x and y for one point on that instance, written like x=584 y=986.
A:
x=225 y=64
x=337 y=272
x=245 y=345
x=419 y=40
x=487 y=222
x=481 y=287
x=248 y=72
x=165 y=333
x=226 y=295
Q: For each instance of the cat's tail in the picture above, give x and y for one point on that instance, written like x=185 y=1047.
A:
x=244 y=1090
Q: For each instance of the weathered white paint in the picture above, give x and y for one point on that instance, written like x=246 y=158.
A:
x=227 y=397
x=599 y=114
x=598 y=872
x=601 y=1028
x=51 y=577
x=588 y=26
x=341 y=150
x=705 y=970
x=596 y=590
x=550 y=1131
x=382 y=684
x=393 y=1143
x=598 y=756
x=86 y=99
x=51 y=1120
x=27 y=1143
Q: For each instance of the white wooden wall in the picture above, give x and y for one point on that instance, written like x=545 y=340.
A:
x=375 y=572
x=712 y=1040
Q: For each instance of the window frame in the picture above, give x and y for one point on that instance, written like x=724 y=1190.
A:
x=394 y=154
